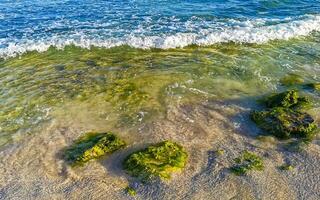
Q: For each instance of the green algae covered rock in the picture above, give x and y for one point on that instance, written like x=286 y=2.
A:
x=285 y=122
x=92 y=146
x=158 y=160
x=246 y=162
x=288 y=99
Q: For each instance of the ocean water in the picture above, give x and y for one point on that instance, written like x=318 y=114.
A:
x=37 y=25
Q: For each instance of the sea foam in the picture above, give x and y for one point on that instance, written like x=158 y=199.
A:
x=248 y=32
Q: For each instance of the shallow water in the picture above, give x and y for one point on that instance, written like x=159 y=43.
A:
x=134 y=85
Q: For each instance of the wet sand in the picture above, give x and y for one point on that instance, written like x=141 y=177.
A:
x=32 y=167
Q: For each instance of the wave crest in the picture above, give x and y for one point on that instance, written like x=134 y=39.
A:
x=205 y=37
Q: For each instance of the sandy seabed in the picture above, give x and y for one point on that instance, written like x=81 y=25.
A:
x=32 y=167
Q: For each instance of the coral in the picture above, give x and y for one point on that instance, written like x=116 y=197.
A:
x=285 y=122
x=158 y=160
x=92 y=146
x=246 y=162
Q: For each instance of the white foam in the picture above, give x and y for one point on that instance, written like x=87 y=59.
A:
x=247 y=33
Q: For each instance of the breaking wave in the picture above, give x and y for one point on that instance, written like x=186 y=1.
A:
x=247 y=32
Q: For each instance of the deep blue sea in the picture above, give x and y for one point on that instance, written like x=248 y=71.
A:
x=35 y=25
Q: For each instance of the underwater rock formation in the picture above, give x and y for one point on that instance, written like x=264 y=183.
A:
x=158 y=160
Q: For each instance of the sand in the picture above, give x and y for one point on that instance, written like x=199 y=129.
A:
x=32 y=167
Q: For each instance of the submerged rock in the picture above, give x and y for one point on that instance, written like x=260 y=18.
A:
x=91 y=146
x=285 y=122
x=288 y=99
x=158 y=160
x=246 y=162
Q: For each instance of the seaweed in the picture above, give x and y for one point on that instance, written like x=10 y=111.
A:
x=285 y=122
x=291 y=79
x=247 y=161
x=130 y=191
x=314 y=86
x=284 y=117
x=219 y=152
x=286 y=99
x=158 y=160
x=92 y=146
x=286 y=167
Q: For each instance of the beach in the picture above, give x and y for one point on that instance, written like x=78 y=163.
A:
x=148 y=73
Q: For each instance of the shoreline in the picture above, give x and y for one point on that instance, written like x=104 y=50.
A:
x=33 y=169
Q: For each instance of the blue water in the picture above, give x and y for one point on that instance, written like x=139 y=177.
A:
x=36 y=25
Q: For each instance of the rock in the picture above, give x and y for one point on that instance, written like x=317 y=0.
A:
x=285 y=122
x=92 y=146
x=158 y=160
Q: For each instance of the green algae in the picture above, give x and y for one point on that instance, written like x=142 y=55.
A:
x=314 y=86
x=159 y=160
x=130 y=191
x=136 y=85
x=285 y=122
x=220 y=152
x=284 y=118
x=92 y=146
x=287 y=99
x=286 y=167
x=292 y=79
x=246 y=162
